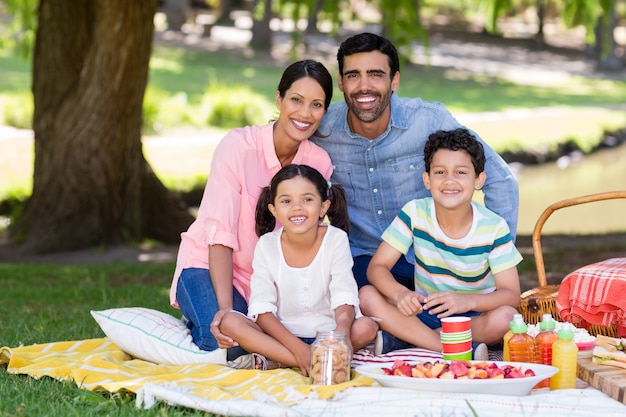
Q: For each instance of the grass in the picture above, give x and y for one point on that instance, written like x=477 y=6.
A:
x=44 y=303
x=49 y=303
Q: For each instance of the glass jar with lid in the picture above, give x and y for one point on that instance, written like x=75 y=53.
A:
x=330 y=358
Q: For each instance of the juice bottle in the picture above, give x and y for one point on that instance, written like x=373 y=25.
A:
x=564 y=357
x=517 y=318
x=543 y=345
x=521 y=344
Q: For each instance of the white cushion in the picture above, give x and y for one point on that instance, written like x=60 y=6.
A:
x=154 y=336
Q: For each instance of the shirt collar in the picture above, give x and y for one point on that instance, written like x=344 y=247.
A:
x=269 y=152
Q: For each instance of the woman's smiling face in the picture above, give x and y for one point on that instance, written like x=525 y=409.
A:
x=301 y=109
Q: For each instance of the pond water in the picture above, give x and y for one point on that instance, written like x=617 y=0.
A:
x=545 y=184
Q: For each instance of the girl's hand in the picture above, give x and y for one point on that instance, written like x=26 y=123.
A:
x=303 y=358
x=223 y=341
x=409 y=302
x=447 y=303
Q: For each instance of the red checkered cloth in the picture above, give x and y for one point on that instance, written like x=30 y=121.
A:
x=595 y=294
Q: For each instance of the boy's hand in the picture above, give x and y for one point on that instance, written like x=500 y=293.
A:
x=447 y=303
x=409 y=302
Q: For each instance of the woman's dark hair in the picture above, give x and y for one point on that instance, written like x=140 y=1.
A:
x=454 y=140
x=307 y=68
x=368 y=42
x=337 y=212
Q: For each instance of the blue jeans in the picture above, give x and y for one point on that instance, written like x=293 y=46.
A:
x=402 y=271
x=197 y=301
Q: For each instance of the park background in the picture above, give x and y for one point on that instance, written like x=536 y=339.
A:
x=545 y=104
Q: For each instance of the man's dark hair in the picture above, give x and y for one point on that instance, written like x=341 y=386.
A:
x=368 y=42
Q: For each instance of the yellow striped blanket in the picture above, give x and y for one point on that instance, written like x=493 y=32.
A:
x=100 y=364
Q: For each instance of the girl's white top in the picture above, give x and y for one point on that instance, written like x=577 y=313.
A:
x=303 y=299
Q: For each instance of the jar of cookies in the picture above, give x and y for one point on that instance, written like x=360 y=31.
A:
x=330 y=358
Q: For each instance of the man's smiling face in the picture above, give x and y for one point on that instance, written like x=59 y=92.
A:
x=367 y=84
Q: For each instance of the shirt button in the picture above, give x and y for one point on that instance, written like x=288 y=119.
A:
x=375 y=190
x=371 y=169
x=411 y=166
x=379 y=212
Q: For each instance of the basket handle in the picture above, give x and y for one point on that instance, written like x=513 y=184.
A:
x=541 y=270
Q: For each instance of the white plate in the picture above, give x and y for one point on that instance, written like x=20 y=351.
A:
x=508 y=386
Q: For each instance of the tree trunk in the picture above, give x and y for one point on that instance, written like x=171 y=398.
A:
x=92 y=185
x=225 y=9
x=541 y=20
x=261 y=32
x=606 y=45
x=177 y=13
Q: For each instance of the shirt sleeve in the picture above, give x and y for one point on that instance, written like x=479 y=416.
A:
x=399 y=234
x=263 y=292
x=501 y=190
x=343 y=287
x=220 y=221
x=504 y=254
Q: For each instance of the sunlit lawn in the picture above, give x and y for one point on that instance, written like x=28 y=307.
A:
x=179 y=72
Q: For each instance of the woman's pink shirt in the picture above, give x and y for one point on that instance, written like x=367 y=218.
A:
x=243 y=163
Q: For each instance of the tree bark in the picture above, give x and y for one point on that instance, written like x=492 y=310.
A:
x=92 y=185
x=177 y=13
x=261 y=32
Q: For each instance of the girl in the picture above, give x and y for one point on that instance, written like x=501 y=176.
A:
x=302 y=280
x=214 y=261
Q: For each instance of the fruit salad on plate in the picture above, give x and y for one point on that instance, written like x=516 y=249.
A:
x=458 y=369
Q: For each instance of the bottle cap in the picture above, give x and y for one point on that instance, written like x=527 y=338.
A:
x=517 y=318
x=567 y=331
x=517 y=327
x=547 y=323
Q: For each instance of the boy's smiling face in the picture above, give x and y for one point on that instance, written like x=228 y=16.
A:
x=452 y=178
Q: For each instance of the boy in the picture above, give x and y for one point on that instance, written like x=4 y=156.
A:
x=465 y=258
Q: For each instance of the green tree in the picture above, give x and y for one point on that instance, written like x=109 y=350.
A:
x=599 y=18
x=92 y=184
x=400 y=18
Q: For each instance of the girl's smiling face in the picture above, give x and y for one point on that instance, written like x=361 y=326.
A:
x=298 y=205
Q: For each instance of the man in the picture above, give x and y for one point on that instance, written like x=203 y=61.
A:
x=376 y=139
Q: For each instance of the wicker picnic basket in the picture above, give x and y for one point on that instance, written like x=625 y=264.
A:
x=542 y=299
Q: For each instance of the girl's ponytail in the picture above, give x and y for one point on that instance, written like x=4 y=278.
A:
x=264 y=219
x=338 y=210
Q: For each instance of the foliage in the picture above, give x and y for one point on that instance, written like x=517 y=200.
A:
x=402 y=23
x=162 y=111
x=20 y=34
x=582 y=12
x=231 y=106
x=17 y=110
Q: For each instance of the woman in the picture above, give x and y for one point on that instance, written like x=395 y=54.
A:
x=214 y=261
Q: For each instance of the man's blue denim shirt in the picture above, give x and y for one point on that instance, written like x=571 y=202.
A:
x=381 y=175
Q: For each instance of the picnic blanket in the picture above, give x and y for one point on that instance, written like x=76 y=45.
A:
x=594 y=294
x=98 y=364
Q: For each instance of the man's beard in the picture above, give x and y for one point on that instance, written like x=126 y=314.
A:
x=371 y=115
